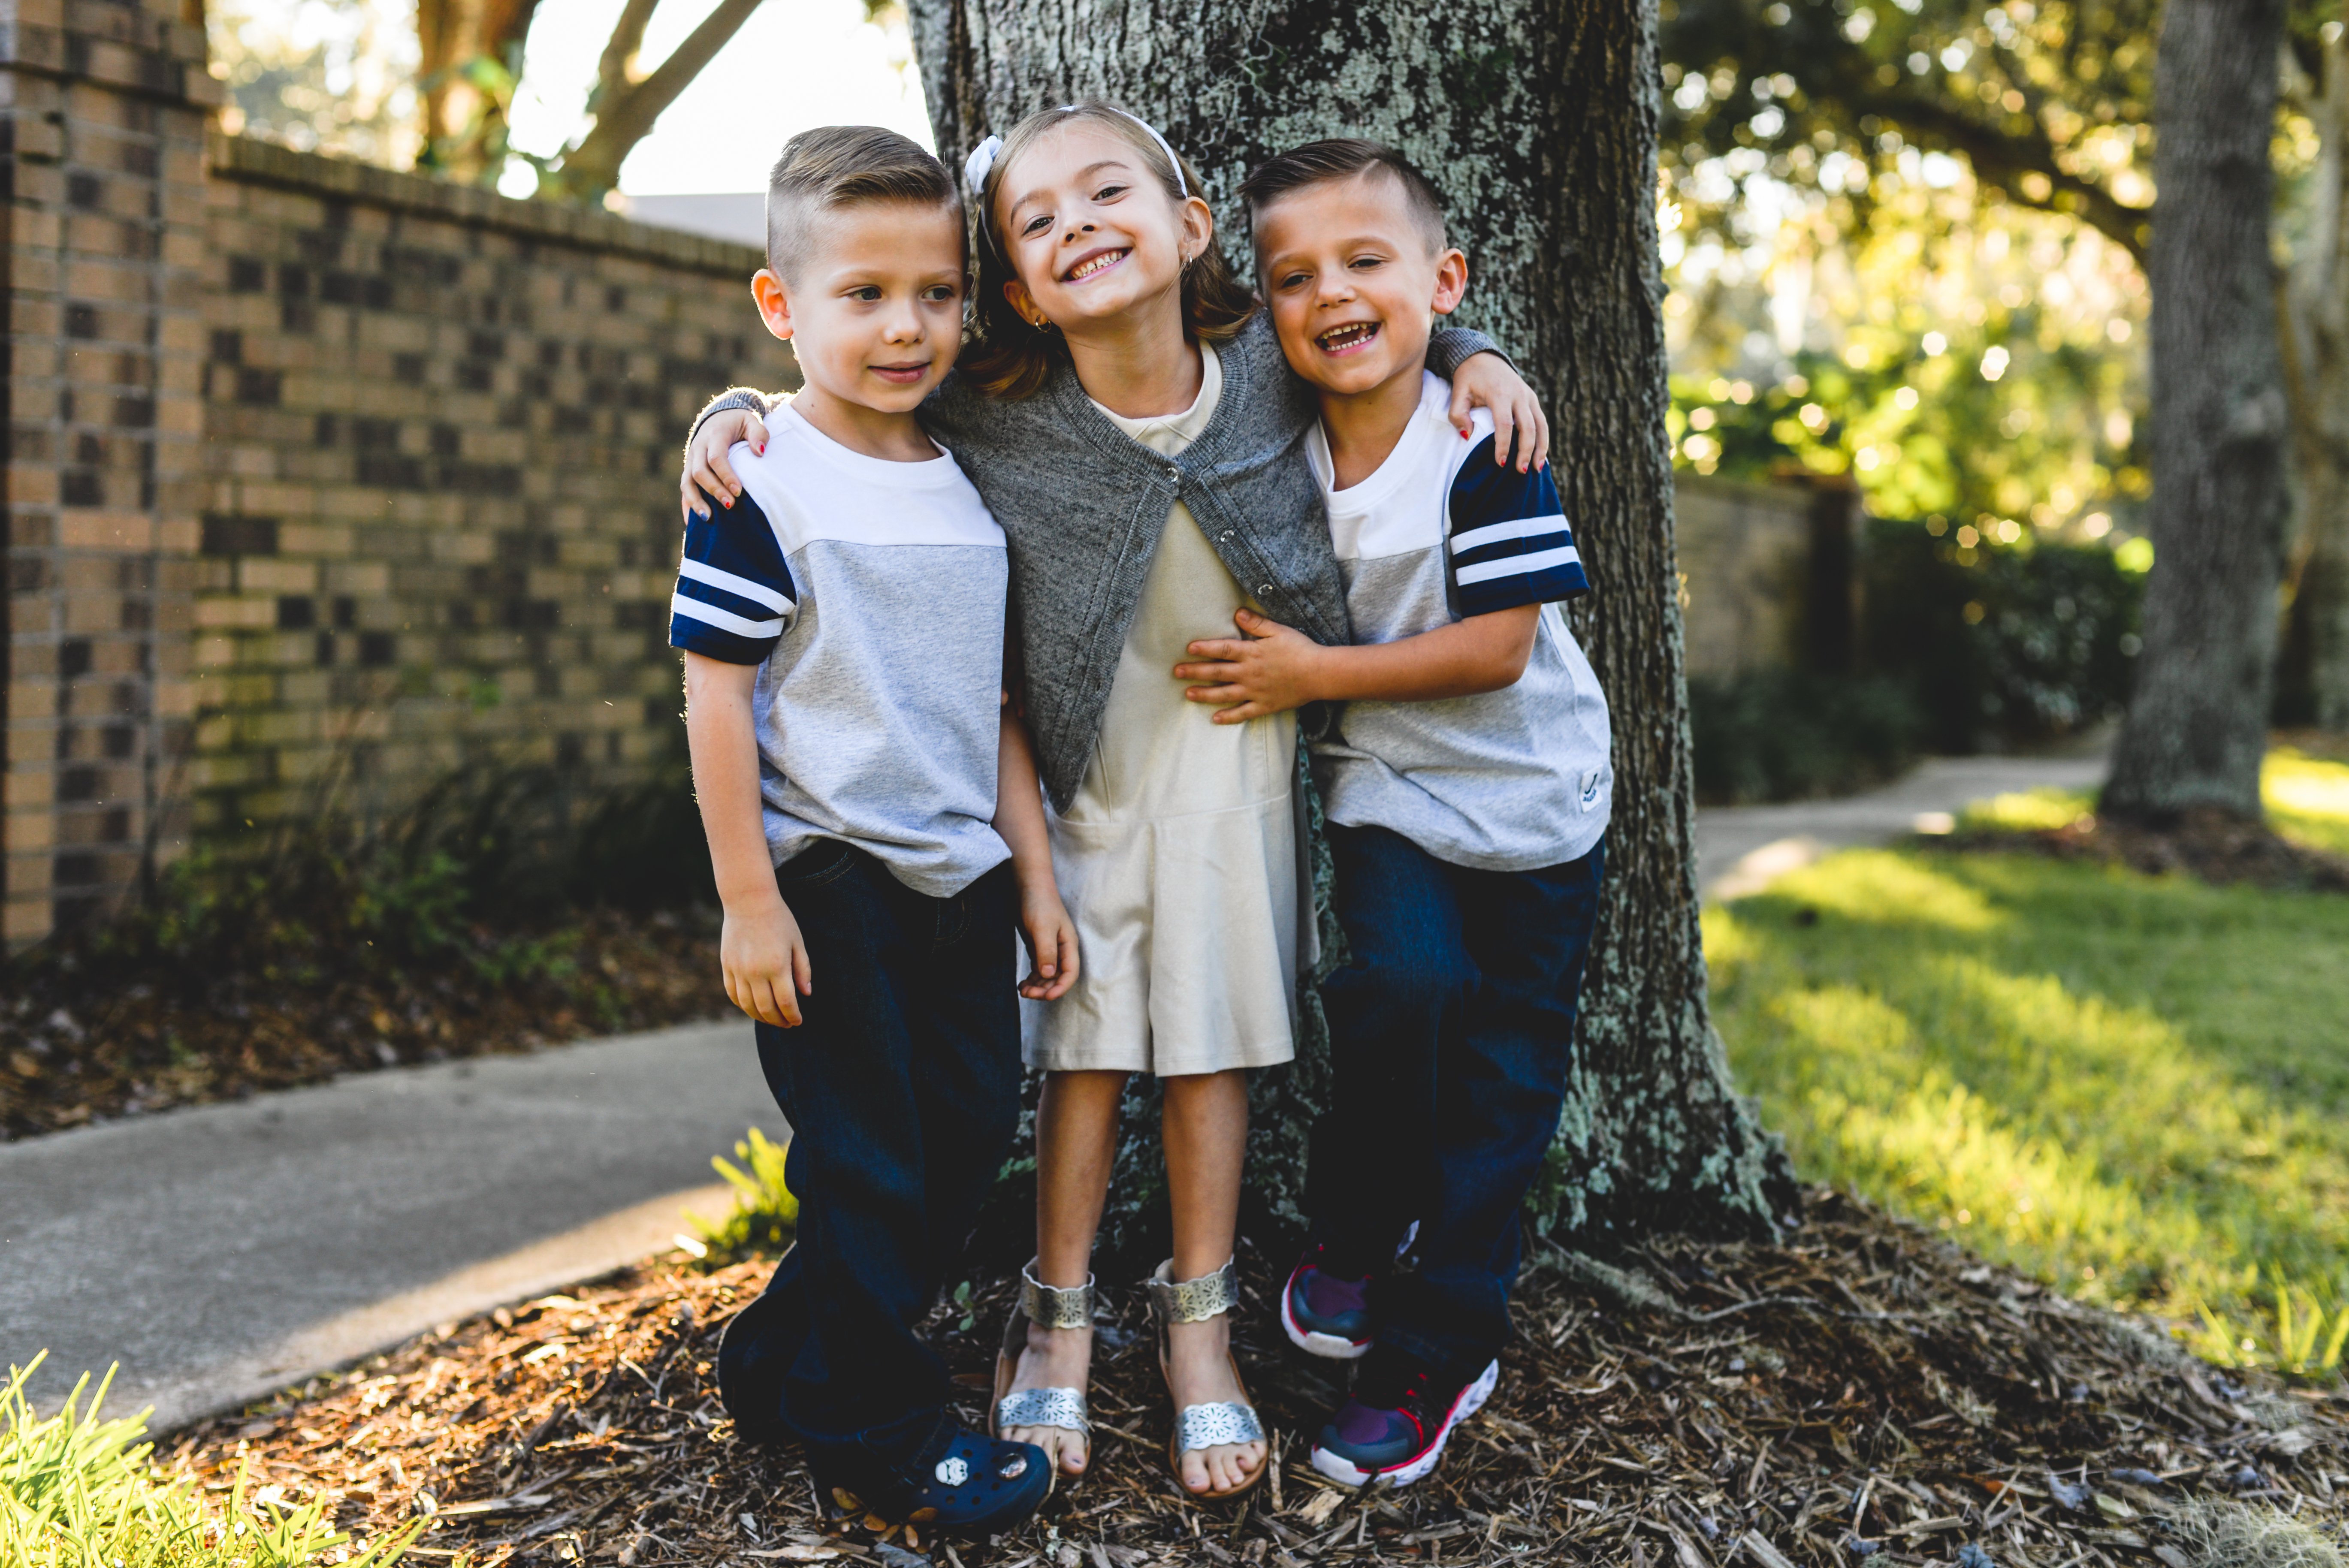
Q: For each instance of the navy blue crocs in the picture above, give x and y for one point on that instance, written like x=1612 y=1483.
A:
x=956 y=1481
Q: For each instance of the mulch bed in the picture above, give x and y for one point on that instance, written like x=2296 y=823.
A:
x=2211 y=844
x=1861 y=1391
x=84 y=1041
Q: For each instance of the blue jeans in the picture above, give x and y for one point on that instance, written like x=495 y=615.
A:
x=1450 y=1036
x=901 y=1087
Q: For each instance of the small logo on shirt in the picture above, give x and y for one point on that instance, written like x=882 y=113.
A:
x=1590 y=789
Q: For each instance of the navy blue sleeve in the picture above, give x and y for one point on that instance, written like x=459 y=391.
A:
x=734 y=591
x=1509 y=543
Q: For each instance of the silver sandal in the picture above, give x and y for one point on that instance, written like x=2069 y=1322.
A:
x=1048 y=1306
x=1225 y=1421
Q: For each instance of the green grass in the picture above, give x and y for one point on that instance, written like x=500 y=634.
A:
x=765 y=1215
x=76 y=1491
x=2131 y=1087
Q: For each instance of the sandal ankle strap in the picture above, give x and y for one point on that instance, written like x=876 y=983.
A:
x=1052 y=1305
x=1195 y=1300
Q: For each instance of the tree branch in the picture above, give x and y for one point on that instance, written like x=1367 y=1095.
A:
x=620 y=52
x=593 y=166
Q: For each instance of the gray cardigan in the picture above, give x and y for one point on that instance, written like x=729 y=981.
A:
x=1083 y=504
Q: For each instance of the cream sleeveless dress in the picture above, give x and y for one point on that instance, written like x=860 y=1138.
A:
x=1177 y=858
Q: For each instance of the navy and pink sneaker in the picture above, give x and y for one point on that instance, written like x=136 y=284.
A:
x=1326 y=1312
x=1394 y=1427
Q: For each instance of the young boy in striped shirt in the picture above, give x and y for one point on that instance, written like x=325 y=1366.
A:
x=1466 y=783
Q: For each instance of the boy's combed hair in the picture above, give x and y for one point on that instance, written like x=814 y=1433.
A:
x=835 y=166
x=1006 y=356
x=1342 y=158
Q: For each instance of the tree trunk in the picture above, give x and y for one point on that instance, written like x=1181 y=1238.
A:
x=1537 y=120
x=2313 y=674
x=464 y=124
x=2196 y=726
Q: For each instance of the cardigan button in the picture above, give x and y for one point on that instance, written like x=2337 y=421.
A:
x=1263 y=590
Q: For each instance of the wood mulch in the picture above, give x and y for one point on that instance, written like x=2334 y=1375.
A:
x=1861 y=1391
x=82 y=1041
x=2214 y=845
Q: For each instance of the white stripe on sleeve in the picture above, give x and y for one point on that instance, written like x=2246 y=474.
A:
x=1515 y=528
x=724 y=620
x=756 y=593
x=1519 y=565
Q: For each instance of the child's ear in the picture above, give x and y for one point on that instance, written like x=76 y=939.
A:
x=1022 y=301
x=774 y=302
x=1198 y=226
x=1451 y=282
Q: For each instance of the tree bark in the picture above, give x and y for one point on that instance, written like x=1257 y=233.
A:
x=1537 y=120
x=2312 y=673
x=2197 y=727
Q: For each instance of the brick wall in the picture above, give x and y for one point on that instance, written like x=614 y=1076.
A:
x=102 y=110
x=429 y=520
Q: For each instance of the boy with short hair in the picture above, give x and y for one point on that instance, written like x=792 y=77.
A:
x=875 y=828
x=1466 y=783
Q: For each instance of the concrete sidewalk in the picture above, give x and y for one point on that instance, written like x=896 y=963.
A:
x=222 y=1252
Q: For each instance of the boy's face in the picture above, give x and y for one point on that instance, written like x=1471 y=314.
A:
x=1354 y=280
x=874 y=314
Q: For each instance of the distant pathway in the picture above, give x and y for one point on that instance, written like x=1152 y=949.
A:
x=221 y=1252
x=1741 y=848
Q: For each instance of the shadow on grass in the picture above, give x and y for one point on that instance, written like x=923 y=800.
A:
x=2132 y=1087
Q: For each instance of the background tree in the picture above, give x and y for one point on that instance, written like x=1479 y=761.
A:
x=446 y=105
x=1537 y=119
x=2196 y=728
x=470 y=58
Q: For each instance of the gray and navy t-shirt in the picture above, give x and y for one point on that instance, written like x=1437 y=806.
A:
x=870 y=595
x=1507 y=780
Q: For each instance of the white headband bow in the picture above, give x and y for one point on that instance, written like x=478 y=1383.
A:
x=982 y=161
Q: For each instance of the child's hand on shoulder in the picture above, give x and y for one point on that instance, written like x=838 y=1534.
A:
x=766 y=964
x=1270 y=668
x=1051 y=939
x=1520 y=425
x=708 y=476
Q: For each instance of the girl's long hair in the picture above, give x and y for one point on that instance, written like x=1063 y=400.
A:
x=1006 y=356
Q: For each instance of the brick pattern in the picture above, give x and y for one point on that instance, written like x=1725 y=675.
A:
x=323 y=480
x=438 y=523
x=102 y=142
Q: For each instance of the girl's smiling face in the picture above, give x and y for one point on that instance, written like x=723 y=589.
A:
x=1090 y=231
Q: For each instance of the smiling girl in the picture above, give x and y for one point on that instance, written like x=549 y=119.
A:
x=1126 y=414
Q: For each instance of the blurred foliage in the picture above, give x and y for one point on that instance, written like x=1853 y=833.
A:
x=1967 y=645
x=461 y=876
x=76 y=1491
x=2000 y=643
x=1903 y=243
x=2049 y=102
x=1782 y=735
x=337 y=76
x=766 y=1214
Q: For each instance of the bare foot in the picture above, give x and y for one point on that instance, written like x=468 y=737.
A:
x=1200 y=1373
x=1055 y=1358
